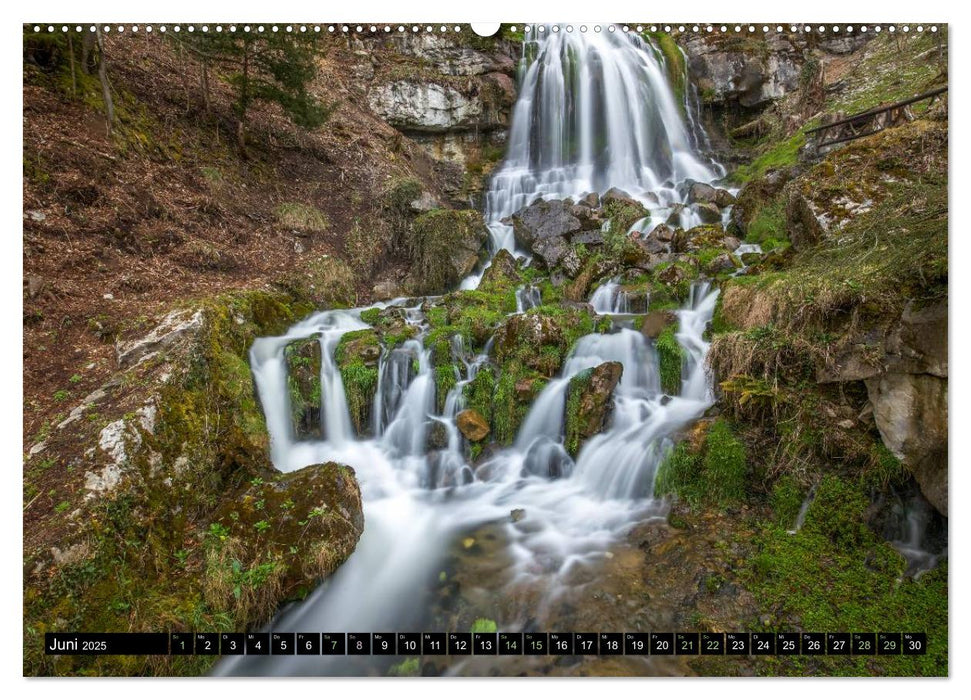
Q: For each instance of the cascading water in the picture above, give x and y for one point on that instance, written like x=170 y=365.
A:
x=595 y=111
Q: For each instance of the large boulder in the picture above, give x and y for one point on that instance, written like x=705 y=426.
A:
x=590 y=404
x=530 y=330
x=472 y=425
x=544 y=220
x=295 y=530
x=910 y=411
x=502 y=273
x=445 y=246
x=699 y=192
x=804 y=227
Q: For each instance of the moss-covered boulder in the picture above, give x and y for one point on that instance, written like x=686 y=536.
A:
x=278 y=537
x=589 y=403
x=303 y=383
x=670 y=357
x=501 y=274
x=357 y=355
x=445 y=246
x=541 y=337
x=472 y=425
x=656 y=322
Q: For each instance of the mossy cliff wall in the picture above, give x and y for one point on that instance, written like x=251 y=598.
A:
x=178 y=521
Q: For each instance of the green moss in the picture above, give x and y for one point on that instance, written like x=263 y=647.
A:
x=409 y=667
x=445 y=381
x=768 y=226
x=572 y=429
x=778 y=155
x=786 y=500
x=836 y=574
x=435 y=236
x=622 y=216
x=715 y=475
x=478 y=392
x=371 y=316
x=674 y=62
x=484 y=625
x=356 y=355
x=670 y=357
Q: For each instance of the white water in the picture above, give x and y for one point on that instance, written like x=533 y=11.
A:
x=595 y=111
x=609 y=298
x=626 y=131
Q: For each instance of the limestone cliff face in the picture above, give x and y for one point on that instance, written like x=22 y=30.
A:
x=751 y=70
x=452 y=97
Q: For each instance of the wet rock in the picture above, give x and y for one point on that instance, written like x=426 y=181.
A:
x=709 y=213
x=503 y=271
x=303 y=362
x=663 y=232
x=731 y=243
x=472 y=425
x=590 y=404
x=724 y=198
x=529 y=329
x=700 y=192
x=437 y=435
x=591 y=200
x=615 y=194
x=649 y=243
x=674 y=217
x=543 y=228
x=722 y=263
x=655 y=322
x=517 y=514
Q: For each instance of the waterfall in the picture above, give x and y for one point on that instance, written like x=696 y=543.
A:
x=609 y=298
x=594 y=112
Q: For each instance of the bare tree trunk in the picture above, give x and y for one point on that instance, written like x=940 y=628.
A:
x=243 y=103
x=87 y=45
x=103 y=77
x=74 y=78
x=205 y=85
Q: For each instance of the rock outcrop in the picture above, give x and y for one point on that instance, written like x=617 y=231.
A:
x=452 y=98
x=590 y=404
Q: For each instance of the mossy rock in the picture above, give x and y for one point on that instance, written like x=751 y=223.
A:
x=710 y=469
x=303 y=383
x=670 y=357
x=589 y=404
x=357 y=355
x=445 y=246
x=277 y=538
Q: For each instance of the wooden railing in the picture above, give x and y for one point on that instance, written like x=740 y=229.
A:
x=870 y=121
